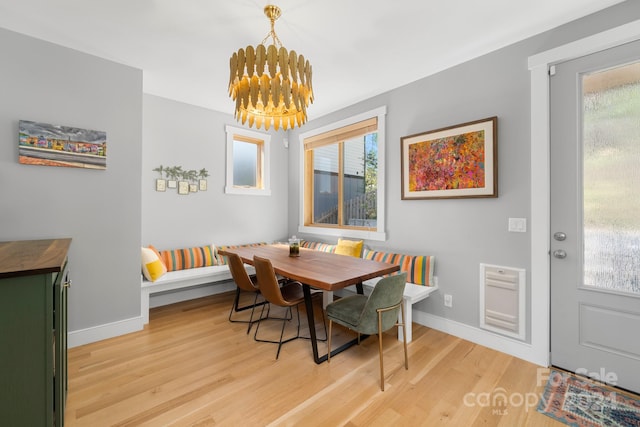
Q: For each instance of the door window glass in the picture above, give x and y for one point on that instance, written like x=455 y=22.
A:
x=611 y=178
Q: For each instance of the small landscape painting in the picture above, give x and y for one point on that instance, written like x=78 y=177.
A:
x=454 y=162
x=52 y=145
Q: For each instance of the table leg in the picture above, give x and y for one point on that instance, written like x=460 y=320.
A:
x=308 y=302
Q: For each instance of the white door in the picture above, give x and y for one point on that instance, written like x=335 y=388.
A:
x=595 y=216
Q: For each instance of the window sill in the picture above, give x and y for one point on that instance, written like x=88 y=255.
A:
x=247 y=191
x=344 y=232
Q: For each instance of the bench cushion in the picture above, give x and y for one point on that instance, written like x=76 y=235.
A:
x=412 y=292
x=419 y=268
x=213 y=272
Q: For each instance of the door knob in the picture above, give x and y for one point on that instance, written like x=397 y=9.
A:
x=559 y=253
x=559 y=236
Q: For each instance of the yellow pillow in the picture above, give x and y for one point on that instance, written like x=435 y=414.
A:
x=349 y=247
x=152 y=266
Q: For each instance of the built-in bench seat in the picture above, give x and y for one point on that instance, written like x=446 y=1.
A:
x=412 y=294
x=180 y=279
x=419 y=269
x=192 y=267
x=189 y=267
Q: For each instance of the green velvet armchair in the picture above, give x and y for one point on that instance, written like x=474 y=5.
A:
x=374 y=314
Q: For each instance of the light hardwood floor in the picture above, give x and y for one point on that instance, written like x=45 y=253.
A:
x=191 y=367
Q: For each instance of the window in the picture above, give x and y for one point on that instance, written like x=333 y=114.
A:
x=247 y=162
x=343 y=178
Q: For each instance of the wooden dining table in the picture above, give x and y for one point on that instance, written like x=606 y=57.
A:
x=319 y=270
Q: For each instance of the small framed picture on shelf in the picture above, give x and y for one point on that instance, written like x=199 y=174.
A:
x=202 y=184
x=183 y=187
x=161 y=185
x=193 y=188
x=172 y=183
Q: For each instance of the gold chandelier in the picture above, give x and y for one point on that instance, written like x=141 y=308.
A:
x=270 y=85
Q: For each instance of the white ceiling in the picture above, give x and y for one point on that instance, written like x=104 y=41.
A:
x=357 y=48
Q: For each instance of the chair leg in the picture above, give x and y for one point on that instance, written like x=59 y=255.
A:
x=287 y=317
x=329 y=342
x=284 y=323
x=404 y=338
x=234 y=306
x=235 y=309
x=253 y=309
x=380 y=350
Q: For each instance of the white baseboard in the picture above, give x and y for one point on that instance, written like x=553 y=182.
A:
x=103 y=332
x=479 y=336
x=476 y=335
x=126 y=326
x=171 y=297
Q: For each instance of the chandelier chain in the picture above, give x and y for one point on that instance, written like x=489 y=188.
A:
x=272 y=33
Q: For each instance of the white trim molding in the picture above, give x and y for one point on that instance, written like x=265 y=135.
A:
x=231 y=131
x=476 y=335
x=539 y=66
x=103 y=332
x=380 y=233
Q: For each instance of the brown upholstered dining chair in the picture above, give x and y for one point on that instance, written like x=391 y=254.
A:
x=244 y=283
x=373 y=314
x=289 y=295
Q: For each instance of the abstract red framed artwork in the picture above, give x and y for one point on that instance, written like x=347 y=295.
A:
x=459 y=161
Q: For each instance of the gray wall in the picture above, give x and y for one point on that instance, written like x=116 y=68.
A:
x=109 y=214
x=99 y=210
x=177 y=134
x=462 y=233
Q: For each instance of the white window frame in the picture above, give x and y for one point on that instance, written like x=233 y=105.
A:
x=266 y=162
x=379 y=234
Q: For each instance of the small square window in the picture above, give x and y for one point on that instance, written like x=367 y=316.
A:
x=247 y=162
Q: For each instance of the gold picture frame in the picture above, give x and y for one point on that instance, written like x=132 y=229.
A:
x=183 y=187
x=161 y=185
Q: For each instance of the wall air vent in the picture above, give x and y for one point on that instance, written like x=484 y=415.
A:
x=502 y=300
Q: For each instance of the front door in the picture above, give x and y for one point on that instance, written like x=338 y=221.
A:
x=595 y=216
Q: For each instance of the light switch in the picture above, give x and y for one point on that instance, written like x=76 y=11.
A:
x=518 y=225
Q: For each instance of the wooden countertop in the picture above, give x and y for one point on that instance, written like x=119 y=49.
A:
x=29 y=257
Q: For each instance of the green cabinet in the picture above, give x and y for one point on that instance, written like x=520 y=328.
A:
x=33 y=332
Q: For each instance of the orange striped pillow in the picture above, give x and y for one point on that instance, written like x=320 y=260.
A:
x=419 y=268
x=182 y=259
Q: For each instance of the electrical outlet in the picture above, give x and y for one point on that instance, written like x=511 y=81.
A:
x=448 y=300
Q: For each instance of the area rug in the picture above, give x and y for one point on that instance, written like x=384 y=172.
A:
x=581 y=403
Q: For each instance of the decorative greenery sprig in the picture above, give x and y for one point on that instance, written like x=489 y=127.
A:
x=176 y=172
